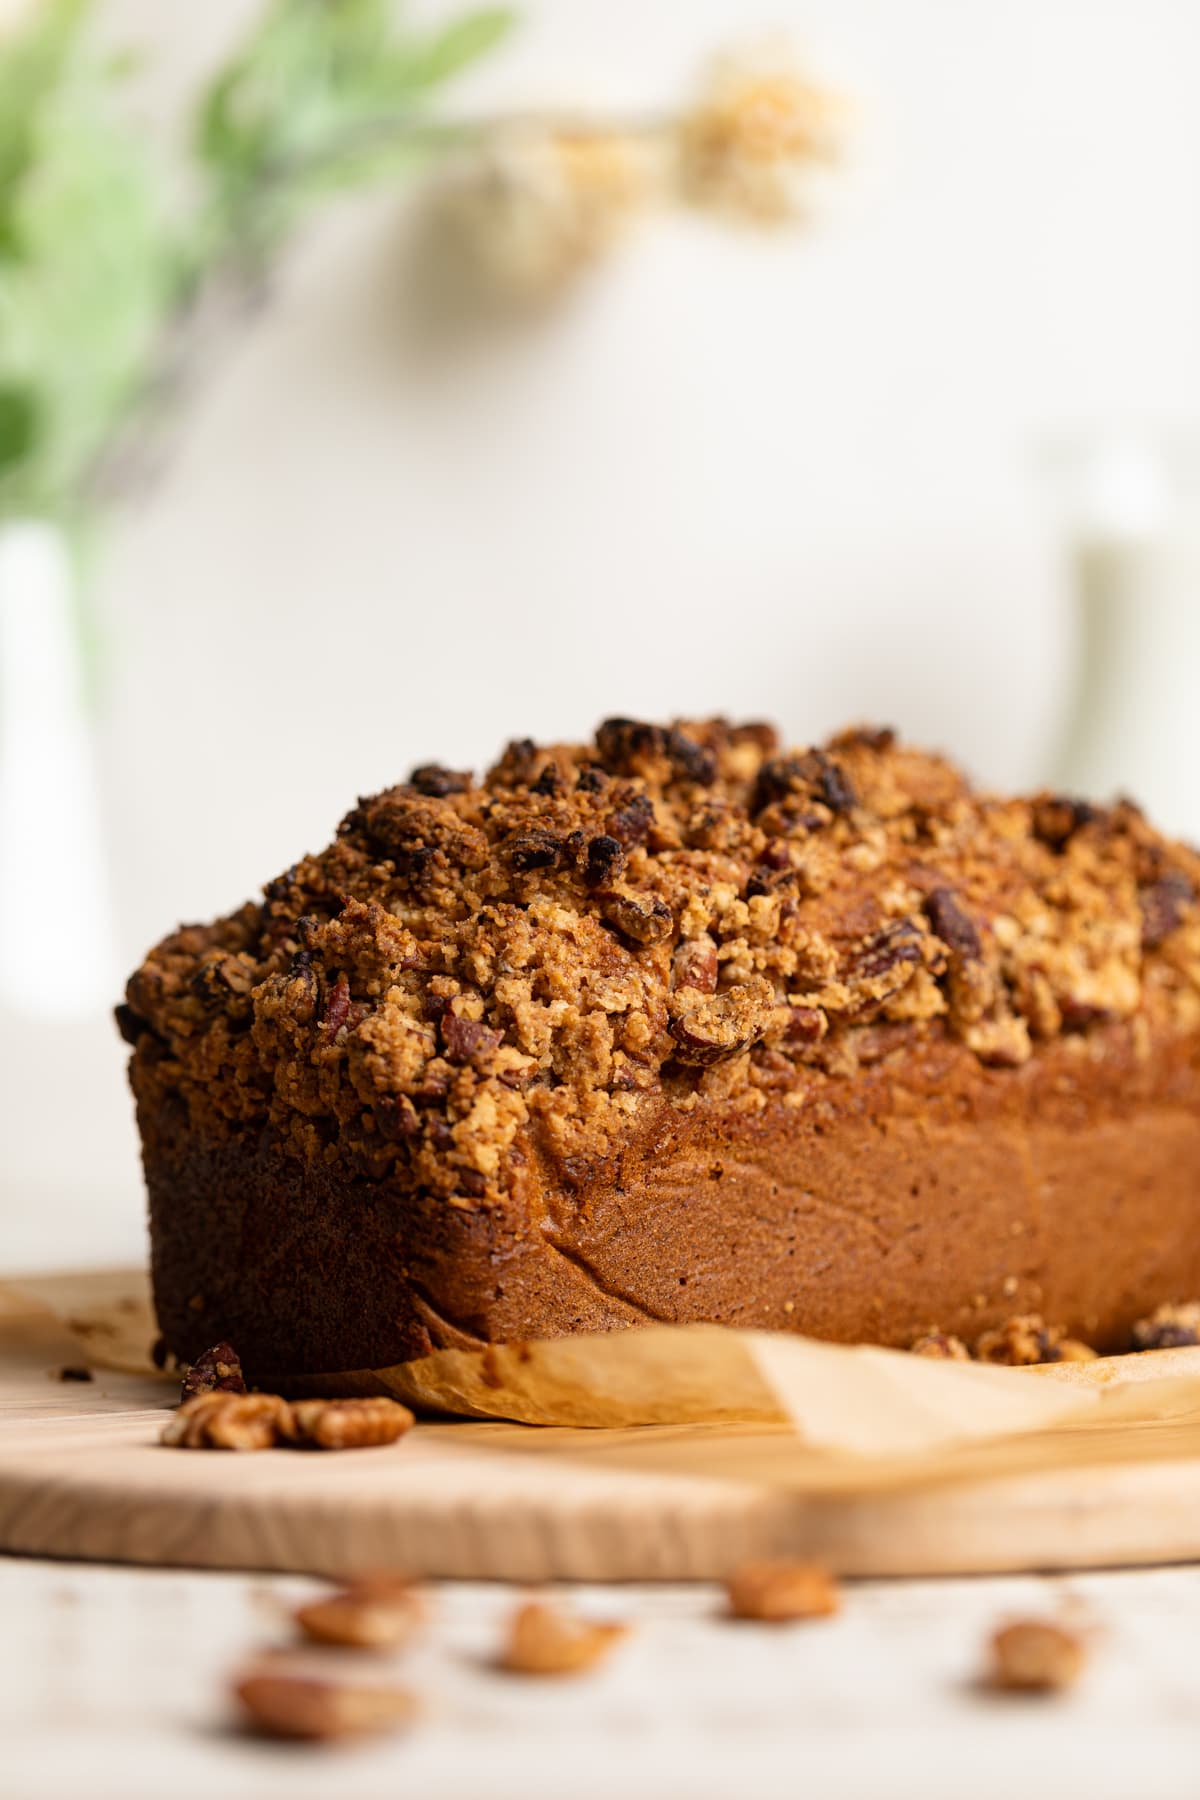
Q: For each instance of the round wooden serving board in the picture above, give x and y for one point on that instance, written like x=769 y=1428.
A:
x=82 y=1474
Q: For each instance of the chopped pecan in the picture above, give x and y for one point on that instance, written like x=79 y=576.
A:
x=865 y=737
x=223 y=1421
x=805 y=1025
x=631 y=823
x=218 y=1370
x=1169 y=1327
x=630 y=747
x=129 y=1024
x=1056 y=818
x=544 y=1640
x=466 y=1039
x=533 y=849
x=357 y=1424
x=895 y=948
x=693 y=761
x=1028 y=1339
x=1034 y=1656
x=337 y=1008
x=298 y=1706
x=776 y=1592
x=374 y=1612
x=623 y=743
x=548 y=782
x=436 y=782
x=695 y=964
x=590 y=779
x=951 y=924
x=942 y=1345
x=814 y=774
x=397 y=1117
x=604 y=861
x=518 y=765
x=713 y=1029
x=1163 y=904
x=643 y=917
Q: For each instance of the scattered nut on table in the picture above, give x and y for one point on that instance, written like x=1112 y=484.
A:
x=296 y=1706
x=1034 y=1656
x=776 y=1592
x=219 y=1420
x=350 y=1424
x=373 y=1612
x=545 y=1640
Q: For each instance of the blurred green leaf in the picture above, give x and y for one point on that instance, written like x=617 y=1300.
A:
x=18 y=423
x=463 y=42
x=30 y=70
x=96 y=267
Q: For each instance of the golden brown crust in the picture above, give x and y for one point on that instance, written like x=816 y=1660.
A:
x=483 y=1002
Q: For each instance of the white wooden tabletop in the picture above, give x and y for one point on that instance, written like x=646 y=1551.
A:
x=113 y=1682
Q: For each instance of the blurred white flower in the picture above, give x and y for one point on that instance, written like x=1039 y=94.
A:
x=540 y=203
x=752 y=142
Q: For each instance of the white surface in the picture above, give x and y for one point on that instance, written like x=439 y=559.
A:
x=790 y=476
x=113 y=1683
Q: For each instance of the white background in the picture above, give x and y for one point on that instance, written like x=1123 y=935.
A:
x=795 y=476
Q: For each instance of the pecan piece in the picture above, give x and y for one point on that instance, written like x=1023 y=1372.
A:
x=1169 y=1327
x=337 y=1009
x=375 y=1612
x=436 y=782
x=631 y=823
x=643 y=917
x=218 y=1370
x=692 y=760
x=942 y=1345
x=1028 y=1339
x=604 y=861
x=297 y=1706
x=695 y=964
x=466 y=1039
x=729 y=1022
x=221 y=1421
x=776 y=1592
x=545 y=1640
x=814 y=775
x=1034 y=1656
x=533 y=849
x=951 y=924
x=1056 y=818
x=1162 y=905
x=357 y=1424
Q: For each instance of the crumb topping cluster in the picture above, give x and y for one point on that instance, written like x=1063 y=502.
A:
x=669 y=914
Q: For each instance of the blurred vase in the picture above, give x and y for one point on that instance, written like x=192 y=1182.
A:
x=1132 y=724
x=56 y=946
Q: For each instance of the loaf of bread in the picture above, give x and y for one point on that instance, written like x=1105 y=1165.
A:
x=678 y=1026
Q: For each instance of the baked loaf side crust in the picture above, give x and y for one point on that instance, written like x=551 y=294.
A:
x=678 y=1026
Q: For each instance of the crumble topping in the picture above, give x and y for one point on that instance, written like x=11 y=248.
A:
x=667 y=914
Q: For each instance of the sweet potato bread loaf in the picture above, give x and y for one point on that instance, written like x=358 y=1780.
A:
x=678 y=1026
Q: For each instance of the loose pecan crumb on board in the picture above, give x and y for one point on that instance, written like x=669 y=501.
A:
x=375 y=1612
x=544 y=1640
x=224 y=1421
x=776 y=1592
x=1034 y=1656
x=294 y=1706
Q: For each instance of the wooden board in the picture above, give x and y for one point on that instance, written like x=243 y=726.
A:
x=82 y=1474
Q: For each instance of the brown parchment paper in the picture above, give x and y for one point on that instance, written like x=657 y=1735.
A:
x=772 y=1410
